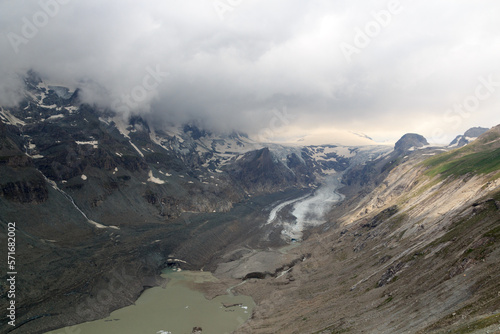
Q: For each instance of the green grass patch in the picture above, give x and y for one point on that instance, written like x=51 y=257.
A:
x=487 y=139
x=385 y=302
x=478 y=324
x=494 y=233
x=463 y=161
x=440 y=158
x=470 y=250
x=496 y=196
x=495 y=176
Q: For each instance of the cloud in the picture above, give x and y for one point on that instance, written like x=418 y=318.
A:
x=231 y=68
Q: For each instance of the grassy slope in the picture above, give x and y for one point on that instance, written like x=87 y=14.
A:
x=480 y=157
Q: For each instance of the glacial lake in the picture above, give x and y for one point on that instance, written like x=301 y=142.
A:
x=175 y=309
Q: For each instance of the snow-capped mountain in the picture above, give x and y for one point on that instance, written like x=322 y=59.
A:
x=112 y=192
x=72 y=144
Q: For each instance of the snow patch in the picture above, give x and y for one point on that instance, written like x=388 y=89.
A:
x=71 y=109
x=94 y=143
x=105 y=121
x=11 y=119
x=52 y=106
x=121 y=126
x=166 y=174
x=157 y=139
x=154 y=179
x=55 y=117
x=136 y=148
x=96 y=224
x=53 y=184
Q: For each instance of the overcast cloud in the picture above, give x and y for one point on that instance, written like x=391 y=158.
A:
x=235 y=64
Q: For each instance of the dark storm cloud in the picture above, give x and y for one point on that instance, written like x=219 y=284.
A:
x=382 y=67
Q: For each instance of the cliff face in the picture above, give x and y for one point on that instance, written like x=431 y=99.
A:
x=26 y=191
x=258 y=172
x=19 y=180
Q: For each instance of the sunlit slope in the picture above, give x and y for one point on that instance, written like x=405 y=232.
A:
x=479 y=157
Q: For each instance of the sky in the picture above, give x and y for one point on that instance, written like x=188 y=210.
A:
x=279 y=70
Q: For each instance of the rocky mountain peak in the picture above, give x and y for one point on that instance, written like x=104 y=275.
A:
x=195 y=132
x=490 y=139
x=468 y=136
x=408 y=141
x=475 y=132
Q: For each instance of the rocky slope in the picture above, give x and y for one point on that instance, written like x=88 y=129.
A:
x=102 y=203
x=418 y=254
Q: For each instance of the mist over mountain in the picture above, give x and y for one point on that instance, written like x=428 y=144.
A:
x=133 y=195
x=249 y=167
x=188 y=62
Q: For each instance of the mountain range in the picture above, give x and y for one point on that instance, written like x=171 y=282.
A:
x=399 y=239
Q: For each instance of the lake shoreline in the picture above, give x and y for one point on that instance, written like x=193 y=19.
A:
x=175 y=308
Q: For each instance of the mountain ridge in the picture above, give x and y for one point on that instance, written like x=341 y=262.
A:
x=467 y=137
x=110 y=189
x=131 y=196
x=416 y=254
